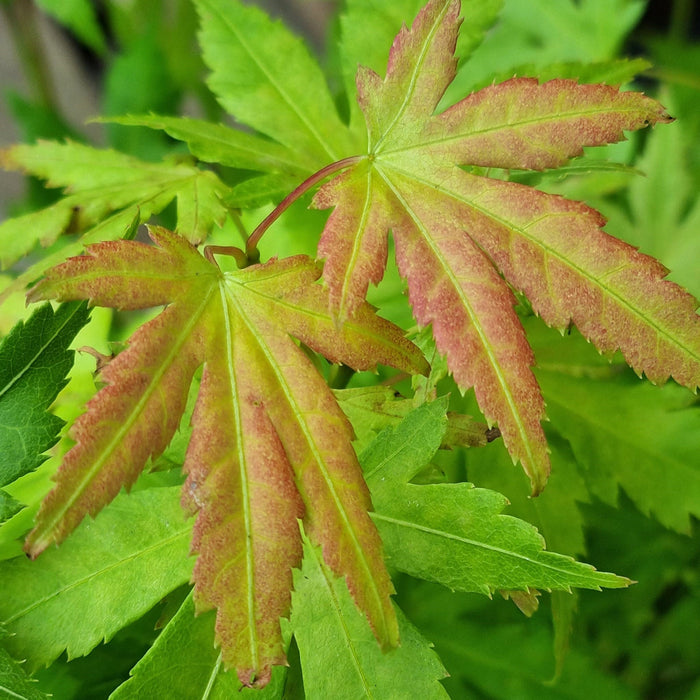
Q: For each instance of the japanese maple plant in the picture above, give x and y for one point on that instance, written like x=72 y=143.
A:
x=306 y=478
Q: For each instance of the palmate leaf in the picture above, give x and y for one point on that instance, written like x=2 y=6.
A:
x=269 y=443
x=103 y=182
x=456 y=534
x=83 y=593
x=463 y=240
x=34 y=361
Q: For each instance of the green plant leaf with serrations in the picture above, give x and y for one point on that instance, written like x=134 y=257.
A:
x=14 y=682
x=371 y=409
x=34 y=362
x=276 y=87
x=184 y=663
x=628 y=434
x=83 y=593
x=105 y=192
x=555 y=512
x=348 y=664
x=503 y=660
x=455 y=534
x=217 y=143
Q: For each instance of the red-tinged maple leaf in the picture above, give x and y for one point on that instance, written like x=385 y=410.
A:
x=462 y=241
x=269 y=443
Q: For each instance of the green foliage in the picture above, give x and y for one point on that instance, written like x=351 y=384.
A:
x=184 y=663
x=34 y=360
x=312 y=505
x=327 y=625
x=139 y=543
x=453 y=533
x=14 y=682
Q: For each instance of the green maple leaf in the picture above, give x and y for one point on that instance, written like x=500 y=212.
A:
x=107 y=193
x=269 y=443
x=184 y=663
x=322 y=609
x=628 y=435
x=139 y=542
x=456 y=534
x=463 y=240
x=14 y=682
x=34 y=360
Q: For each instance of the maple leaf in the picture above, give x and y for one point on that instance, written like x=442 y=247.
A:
x=107 y=194
x=463 y=241
x=269 y=442
x=34 y=359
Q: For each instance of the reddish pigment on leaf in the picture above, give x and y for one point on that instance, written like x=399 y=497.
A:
x=269 y=444
x=463 y=241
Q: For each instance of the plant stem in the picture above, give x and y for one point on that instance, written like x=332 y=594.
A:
x=236 y=253
x=21 y=19
x=254 y=239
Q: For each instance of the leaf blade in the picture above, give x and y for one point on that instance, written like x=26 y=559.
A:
x=136 y=414
x=454 y=287
x=317 y=439
x=299 y=113
x=184 y=661
x=322 y=609
x=218 y=143
x=52 y=589
x=246 y=531
x=615 y=295
x=34 y=360
x=522 y=123
x=453 y=533
x=100 y=181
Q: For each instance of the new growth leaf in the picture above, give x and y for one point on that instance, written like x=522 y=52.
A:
x=269 y=443
x=464 y=240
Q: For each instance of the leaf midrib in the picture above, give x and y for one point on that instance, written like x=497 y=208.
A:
x=251 y=607
x=40 y=351
x=604 y=578
x=356 y=328
x=350 y=645
x=315 y=451
x=101 y=572
x=506 y=126
x=427 y=44
x=133 y=416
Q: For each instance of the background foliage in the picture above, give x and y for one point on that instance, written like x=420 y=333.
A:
x=625 y=487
